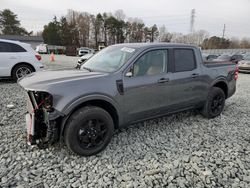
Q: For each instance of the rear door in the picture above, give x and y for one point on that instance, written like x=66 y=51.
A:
x=188 y=86
x=9 y=56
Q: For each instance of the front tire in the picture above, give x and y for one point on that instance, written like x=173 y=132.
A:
x=88 y=131
x=215 y=103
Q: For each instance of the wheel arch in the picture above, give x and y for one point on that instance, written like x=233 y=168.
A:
x=22 y=63
x=222 y=84
x=99 y=102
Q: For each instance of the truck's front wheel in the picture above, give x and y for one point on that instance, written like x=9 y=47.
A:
x=215 y=103
x=88 y=130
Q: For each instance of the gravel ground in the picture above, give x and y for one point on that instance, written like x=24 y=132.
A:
x=184 y=150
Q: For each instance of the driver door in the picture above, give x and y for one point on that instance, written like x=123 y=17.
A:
x=147 y=88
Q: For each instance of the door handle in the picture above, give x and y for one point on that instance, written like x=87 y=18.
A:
x=12 y=57
x=194 y=75
x=163 y=80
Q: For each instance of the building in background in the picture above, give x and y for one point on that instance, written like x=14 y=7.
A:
x=34 y=41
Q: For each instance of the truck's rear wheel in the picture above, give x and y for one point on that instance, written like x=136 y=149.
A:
x=215 y=103
x=88 y=130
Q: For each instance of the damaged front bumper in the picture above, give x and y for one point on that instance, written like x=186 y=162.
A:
x=42 y=124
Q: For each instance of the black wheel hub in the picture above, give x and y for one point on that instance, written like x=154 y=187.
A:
x=92 y=133
x=217 y=104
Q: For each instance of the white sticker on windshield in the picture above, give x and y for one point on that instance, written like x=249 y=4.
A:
x=126 y=49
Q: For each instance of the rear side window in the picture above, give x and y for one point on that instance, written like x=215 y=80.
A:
x=5 y=47
x=17 y=48
x=10 y=47
x=184 y=60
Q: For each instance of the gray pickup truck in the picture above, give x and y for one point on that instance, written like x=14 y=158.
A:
x=121 y=85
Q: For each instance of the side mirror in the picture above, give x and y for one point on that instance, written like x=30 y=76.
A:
x=129 y=74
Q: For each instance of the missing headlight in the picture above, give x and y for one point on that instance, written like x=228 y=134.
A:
x=45 y=100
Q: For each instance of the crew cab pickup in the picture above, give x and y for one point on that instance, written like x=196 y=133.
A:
x=121 y=85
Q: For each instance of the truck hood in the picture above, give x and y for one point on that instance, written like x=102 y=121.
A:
x=41 y=80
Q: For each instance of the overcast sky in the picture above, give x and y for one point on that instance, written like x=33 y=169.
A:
x=211 y=15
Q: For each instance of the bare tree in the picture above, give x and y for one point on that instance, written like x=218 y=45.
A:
x=119 y=15
x=194 y=38
x=164 y=35
x=235 y=43
x=245 y=43
x=134 y=30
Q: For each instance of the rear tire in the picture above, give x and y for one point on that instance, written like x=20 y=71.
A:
x=21 y=70
x=88 y=131
x=215 y=103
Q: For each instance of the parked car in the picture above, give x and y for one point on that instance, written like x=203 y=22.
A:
x=227 y=57
x=84 y=50
x=209 y=57
x=42 y=49
x=244 y=65
x=83 y=59
x=236 y=58
x=121 y=85
x=18 y=59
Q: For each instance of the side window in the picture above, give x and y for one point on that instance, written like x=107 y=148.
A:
x=184 y=60
x=9 y=47
x=151 y=63
x=5 y=47
x=17 y=48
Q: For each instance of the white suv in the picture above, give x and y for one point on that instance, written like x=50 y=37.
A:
x=18 y=59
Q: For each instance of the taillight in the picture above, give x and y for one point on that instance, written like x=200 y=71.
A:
x=236 y=73
x=38 y=57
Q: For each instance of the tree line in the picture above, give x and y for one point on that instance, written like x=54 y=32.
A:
x=85 y=29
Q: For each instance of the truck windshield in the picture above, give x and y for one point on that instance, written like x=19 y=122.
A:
x=109 y=59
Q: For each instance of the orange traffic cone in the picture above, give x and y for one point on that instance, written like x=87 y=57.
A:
x=52 y=57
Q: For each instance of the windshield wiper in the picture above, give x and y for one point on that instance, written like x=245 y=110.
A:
x=88 y=69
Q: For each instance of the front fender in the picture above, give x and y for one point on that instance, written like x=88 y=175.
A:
x=76 y=102
x=68 y=109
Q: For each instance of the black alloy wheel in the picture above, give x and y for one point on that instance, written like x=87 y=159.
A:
x=88 y=130
x=92 y=133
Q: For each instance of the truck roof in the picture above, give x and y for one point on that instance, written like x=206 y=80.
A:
x=158 y=44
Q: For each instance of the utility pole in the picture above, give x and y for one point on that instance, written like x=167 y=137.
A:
x=192 y=21
x=223 y=31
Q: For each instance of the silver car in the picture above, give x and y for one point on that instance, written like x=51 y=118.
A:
x=244 y=65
